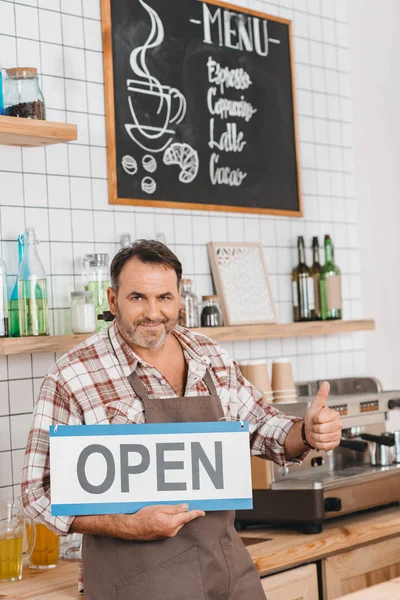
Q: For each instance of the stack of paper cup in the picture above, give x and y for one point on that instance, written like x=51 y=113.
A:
x=283 y=385
x=256 y=371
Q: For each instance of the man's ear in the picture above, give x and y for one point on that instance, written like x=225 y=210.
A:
x=112 y=300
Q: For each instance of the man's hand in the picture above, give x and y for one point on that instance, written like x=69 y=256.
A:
x=160 y=521
x=323 y=428
x=149 y=523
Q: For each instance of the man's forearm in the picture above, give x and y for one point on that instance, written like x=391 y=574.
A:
x=294 y=445
x=108 y=525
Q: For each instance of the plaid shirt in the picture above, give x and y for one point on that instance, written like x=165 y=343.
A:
x=89 y=385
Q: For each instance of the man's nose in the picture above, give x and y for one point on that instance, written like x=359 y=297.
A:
x=153 y=311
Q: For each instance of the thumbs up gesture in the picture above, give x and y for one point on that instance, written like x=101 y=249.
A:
x=322 y=424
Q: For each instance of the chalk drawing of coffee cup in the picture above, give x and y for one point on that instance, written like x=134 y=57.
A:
x=154 y=107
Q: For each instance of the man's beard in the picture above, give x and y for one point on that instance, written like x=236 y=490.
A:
x=141 y=336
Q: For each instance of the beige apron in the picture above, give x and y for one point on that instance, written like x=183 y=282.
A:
x=206 y=560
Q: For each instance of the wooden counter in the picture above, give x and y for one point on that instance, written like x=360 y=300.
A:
x=390 y=590
x=272 y=550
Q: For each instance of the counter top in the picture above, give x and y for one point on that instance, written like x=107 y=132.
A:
x=272 y=550
x=388 y=589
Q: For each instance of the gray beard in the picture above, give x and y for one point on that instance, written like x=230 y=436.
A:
x=133 y=335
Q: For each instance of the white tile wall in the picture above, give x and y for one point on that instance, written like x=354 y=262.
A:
x=62 y=190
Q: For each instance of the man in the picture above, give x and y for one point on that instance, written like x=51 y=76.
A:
x=145 y=368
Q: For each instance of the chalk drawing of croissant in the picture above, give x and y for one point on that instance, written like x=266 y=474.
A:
x=166 y=105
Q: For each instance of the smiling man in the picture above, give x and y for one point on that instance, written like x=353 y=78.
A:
x=145 y=368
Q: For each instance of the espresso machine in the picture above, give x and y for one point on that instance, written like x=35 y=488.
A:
x=362 y=473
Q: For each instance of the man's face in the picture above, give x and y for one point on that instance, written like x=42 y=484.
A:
x=147 y=304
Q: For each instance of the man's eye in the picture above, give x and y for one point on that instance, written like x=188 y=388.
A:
x=136 y=297
x=163 y=298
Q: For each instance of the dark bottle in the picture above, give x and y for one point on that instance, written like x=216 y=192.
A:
x=330 y=285
x=302 y=287
x=316 y=275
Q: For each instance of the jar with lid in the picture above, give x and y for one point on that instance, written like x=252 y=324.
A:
x=211 y=315
x=96 y=277
x=189 y=309
x=22 y=94
x=83 y=313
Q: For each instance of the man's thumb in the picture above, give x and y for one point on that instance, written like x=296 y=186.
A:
x=322 y=396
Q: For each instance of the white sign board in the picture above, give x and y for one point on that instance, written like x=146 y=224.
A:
x=105 y=469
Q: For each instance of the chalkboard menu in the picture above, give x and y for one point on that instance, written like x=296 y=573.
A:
x=200 y=107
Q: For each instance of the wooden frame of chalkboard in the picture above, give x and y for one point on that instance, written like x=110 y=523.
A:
x=171 y=170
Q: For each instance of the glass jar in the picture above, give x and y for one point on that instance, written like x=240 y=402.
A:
x=211 y=315
x=83 y=313
x=97 y=279
x=22 y=94
x=189 y=309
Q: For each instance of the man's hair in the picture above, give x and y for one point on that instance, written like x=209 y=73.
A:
x=147 y=251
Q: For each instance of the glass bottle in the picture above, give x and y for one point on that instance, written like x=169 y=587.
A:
x=125 y=240
x=97 y=280
x=3 y=300
x=302 y=286
x=316 y=275
x=22 y=94
x=330 y=285
x=189 y=309
x=32 y=290
x=211 y=315
x=13 y=309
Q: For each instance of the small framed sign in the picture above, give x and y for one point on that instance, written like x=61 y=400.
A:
x=241 y=281
x=122 y=468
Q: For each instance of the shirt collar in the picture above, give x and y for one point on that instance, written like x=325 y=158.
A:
x=129 y=360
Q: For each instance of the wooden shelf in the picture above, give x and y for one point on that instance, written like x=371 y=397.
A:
x=63 y=343
x=30 y=132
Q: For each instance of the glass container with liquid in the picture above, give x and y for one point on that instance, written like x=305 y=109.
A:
x=97 y=280
x=33 y=302
x=3 y=300
x=13 y=309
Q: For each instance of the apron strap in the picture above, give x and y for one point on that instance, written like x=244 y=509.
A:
x=138 y=386
x=208 y=380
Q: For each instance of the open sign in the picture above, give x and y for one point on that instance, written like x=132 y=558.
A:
x=104 y=469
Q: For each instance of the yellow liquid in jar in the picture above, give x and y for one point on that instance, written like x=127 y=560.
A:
x=10 y=558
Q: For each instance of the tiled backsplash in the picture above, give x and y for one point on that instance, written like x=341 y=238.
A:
x=62 y=191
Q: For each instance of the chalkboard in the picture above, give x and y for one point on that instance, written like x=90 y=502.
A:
x=200 y=107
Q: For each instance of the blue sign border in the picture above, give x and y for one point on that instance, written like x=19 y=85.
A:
x=108 y=508
x=149 y=428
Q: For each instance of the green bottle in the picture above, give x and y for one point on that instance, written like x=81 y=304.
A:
x=302 y=286
x=330 y=285
x=13 y=309
x=316 y=275
x=32 y=290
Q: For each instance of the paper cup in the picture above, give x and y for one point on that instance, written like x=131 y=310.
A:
x=256 y=371
x=282 y=375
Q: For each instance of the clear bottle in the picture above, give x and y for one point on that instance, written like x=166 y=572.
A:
x=189 y=309
x=302 y=287
x=13 y=308
x=97 y=280
x=33 y=302
x=22 y=94
x=211 y=315
x=83 y=313
x=330 y=285
x=3 y=300
x=316 y=275
x=125 y=240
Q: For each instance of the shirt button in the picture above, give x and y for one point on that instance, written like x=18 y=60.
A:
x=163 y=382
